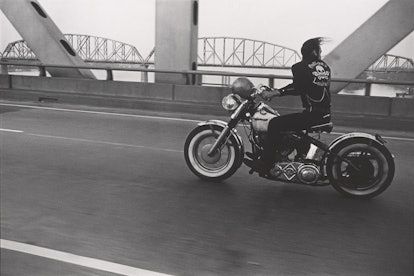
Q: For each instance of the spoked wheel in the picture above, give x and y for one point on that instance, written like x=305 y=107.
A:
x=219 y=165
x=361 y=170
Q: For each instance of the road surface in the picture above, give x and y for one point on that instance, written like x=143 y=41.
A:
x=109 y=192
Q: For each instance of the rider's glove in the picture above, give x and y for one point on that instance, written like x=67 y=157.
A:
x=265 y=88
x=269 y=94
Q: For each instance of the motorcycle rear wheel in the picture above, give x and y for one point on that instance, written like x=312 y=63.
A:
x=370 y=174
x=221 y=164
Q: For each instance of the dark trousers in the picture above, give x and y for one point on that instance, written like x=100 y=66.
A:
x=289 y=122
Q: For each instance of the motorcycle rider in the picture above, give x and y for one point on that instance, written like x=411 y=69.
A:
x=311 y=80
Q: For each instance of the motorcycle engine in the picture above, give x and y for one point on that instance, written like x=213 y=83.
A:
x=308 y=173
x=296 y=172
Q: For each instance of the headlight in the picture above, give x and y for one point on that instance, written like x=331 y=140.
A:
x=230 y=102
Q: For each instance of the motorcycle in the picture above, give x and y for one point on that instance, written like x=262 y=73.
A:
x=356 y=164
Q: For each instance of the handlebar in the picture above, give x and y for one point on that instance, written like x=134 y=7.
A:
x=259 y=90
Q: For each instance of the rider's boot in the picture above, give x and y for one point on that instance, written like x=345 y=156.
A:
x=267 y=163
x=257 y=165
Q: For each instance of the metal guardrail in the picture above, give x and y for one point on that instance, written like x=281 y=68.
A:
x=213 y=52
x=191 y=74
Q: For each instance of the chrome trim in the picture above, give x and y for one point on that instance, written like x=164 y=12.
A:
x=351 y=136
x=223 y=124
x=312 y=152
x=238 y=110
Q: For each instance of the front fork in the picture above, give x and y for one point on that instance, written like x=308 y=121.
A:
x=225 y=134
x=221 y=140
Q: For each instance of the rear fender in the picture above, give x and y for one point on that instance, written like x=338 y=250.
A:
x=356 y=135
x=336 y=145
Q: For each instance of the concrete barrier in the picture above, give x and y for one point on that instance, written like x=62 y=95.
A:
x=5 y=81
x=397 y=113
x=94 y=87
x=402 y=108
x=202 y=94
x=361 y=105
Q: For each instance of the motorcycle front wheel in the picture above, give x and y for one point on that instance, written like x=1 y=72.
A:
x=361 y=169
x=220 y=165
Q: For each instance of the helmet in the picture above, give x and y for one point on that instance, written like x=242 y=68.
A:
x=242 y=87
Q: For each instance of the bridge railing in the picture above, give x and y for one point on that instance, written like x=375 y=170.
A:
x=191 y=75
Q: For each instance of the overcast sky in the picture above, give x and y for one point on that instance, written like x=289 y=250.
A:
x=283 y=22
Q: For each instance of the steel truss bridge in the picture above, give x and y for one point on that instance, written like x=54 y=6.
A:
x=213 y=51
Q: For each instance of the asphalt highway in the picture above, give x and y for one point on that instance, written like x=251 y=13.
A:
x=107 y=192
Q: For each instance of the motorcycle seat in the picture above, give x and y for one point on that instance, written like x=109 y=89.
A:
x=327 y=127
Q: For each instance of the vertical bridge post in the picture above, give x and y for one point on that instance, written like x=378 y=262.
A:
x=176 y=36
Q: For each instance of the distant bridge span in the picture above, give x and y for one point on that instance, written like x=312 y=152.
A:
x=242 y=52
x=213 y=51
x=89 y=48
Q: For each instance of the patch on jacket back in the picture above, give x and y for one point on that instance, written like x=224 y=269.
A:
x=321 y=73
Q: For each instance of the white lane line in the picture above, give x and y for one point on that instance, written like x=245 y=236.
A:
x=101 y=113
x=103 y=142
x=154 y=117
x=398 y=138
x=76 y=259
x=11 y=130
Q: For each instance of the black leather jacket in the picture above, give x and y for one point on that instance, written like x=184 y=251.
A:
x=311 y=80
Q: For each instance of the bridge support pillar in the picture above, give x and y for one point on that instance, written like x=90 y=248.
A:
x=144 y=75
x=3 y=69
x=176 y=38
x=44 y=37
x=371 y=40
